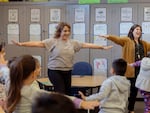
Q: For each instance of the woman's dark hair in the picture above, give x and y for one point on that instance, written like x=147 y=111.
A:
x=119 y=66
x=20 y=69
x=59 y=29
x=53 y=103
x=130 y=34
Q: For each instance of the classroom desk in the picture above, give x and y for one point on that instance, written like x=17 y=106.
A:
x=78 y=81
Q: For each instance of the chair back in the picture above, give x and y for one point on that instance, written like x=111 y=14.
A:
x=82 y=68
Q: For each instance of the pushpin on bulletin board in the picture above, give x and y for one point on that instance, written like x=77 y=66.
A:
x=89 y=1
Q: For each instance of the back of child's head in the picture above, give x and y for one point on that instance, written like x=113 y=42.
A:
x=20 y=69
x=119 y=66
x=53 y=103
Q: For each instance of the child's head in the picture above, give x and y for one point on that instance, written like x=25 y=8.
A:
x=21 y=69
x=53 y=103
x=119 y=67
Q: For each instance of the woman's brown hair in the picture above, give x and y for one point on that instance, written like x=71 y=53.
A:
x=59 y=29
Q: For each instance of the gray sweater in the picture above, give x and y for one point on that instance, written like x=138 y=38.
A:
x=113 y=95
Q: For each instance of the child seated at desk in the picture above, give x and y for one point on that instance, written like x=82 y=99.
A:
x=114 y=91
x=21 y=93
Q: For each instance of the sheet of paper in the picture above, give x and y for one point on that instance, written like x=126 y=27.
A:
x=13 y=15
x=12 y=37
x=13 y=29
x=35 y=32
x=79 y=14
x=35 y=29
x=125 y=27
x=126 y=14
x=100 y=66
x=55 y=15
x=52 y=28
x=80 y=38
x=79 y=28
x=35 y=15
x=100 y=41
x=100 y=14
x=146 y=37
x=13 y=32
x=146 y=13
x=100 y=29
x=146 y=27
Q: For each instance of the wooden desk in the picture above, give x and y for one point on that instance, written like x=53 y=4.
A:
x=79 y=81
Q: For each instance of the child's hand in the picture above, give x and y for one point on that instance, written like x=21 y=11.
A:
x=82 y=95
x=89 y=104
x=131 y=64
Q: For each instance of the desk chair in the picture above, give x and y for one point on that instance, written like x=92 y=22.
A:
x=81 y=68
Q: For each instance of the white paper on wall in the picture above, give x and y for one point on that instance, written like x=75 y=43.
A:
x=35 y=32
x=52 y=28
x=100 y=29
x=126 y=14
x=55 y=15
x=146 y=27
x=13 y=32
x=146 y=13
x=79 y=14
x=125 y=27
x=13 y=15
x=100 y=14
x=35 y=15
x=80 y=38
x=79 y=28
x=100 y=41
x=100 y=66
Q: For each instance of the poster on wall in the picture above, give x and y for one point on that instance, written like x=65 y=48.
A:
x=79 y=28
x=146 y=31
x=35 y=15
x=13 y=32
x=126 y=14
x=100 y=66
x=100 y=29
x=35 y=32
x=55 y=15
x=125 y=27
x=100 y=14
x=146 y=13
x=78 y=37
x=79 y=14
x=52 y=29
x=13 y=15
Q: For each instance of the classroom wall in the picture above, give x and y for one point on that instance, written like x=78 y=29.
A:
x=26 y=25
